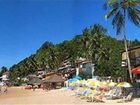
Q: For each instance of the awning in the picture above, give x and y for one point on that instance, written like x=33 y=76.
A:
x=136 y=70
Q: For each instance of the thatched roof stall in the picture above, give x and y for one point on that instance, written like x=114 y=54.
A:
x=54 y=81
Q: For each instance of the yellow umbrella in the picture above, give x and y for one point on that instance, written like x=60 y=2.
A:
x=94 y=83
x=82 y=82
x=104 y=83
x=124 y=84
x=112 y=84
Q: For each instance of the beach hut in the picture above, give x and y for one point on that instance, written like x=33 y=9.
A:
x=54 y=81
x=35 y=82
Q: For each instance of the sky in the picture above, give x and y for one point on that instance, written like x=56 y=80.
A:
x=26 y=24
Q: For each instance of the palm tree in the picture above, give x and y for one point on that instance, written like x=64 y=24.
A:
x=119 y=9
x=86 y=42
x=96 y=38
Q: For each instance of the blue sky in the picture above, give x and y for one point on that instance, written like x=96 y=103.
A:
x=26 y=24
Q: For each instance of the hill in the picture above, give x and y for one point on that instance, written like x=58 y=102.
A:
x=94 y=43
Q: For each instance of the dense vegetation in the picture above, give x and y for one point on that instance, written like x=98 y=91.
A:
x=94 y=44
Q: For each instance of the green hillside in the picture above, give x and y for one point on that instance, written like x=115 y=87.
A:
x=94 y=44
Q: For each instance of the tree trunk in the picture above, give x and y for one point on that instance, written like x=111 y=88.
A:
x=126 y=49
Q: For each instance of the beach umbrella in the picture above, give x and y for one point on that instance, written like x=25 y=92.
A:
x=94 y=83
x=136 y=70
x=81 y=82
x=72 y=80
x=112 y=84
x=73 y=84
x=104 y=84
x=77 y=77
x=124 y=84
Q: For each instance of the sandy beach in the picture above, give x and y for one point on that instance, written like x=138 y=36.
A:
x=18 y=95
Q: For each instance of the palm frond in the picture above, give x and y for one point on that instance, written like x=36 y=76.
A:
x=111 y=13
x=112 y=2
x=134 y=15
x=117 y=18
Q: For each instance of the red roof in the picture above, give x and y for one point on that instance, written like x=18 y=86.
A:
x=136 y=70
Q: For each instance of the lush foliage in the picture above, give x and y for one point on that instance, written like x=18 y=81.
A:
x=3 y=69
x=93 y=44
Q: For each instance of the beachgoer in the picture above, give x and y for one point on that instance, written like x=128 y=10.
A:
x=33 y=88
x=5 y=90
x=0 y=89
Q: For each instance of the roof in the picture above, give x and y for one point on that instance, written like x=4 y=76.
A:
x=35 y=81
x=136 y=70
x=54 y=78
x=50 y=73
x=133 y=48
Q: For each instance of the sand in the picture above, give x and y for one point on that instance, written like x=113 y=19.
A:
x=20 y=96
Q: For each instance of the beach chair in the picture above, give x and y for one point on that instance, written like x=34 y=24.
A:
x=111 y=93
x=85 y=96
x=116 y=94
x=83 y=93
x=96 y=98
x=127 y=98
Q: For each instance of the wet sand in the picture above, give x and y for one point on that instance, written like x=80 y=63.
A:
x=20 y=96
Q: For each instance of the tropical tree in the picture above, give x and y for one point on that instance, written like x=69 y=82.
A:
x=3 y=69
x=96 y=45
x=119 y=10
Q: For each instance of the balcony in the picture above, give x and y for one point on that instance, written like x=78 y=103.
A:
x=134 y=62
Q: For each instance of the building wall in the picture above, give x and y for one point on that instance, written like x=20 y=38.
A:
x=134 y=57
x=124 y=56
x=133 y=54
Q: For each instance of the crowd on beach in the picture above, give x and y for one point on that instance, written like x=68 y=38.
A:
x=97 y=91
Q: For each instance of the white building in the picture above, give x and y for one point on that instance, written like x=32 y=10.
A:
x=5 y=76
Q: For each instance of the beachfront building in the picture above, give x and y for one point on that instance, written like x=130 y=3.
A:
x=134 y=55
x=40 y=72
x=4 y=79
x=5 y=76
x=66 y=69
x=30 y=77
x=82 y=65
x=85 y=66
